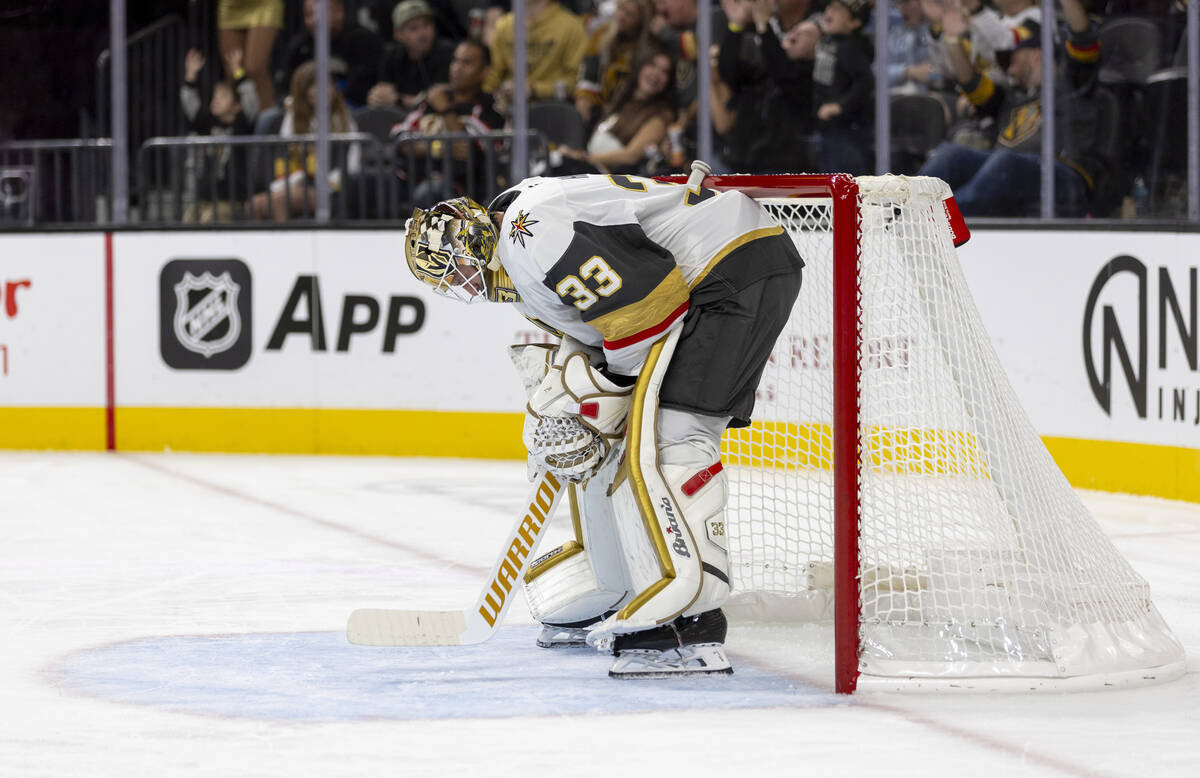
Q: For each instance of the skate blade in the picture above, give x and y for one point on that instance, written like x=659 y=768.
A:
x=563 y=644
x=670 y=673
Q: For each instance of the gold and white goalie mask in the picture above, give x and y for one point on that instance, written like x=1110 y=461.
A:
x=452 y=249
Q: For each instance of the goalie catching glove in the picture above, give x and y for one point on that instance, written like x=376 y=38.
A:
x=574 y=415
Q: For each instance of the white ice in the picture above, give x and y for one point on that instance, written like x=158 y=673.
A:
x=182 y=615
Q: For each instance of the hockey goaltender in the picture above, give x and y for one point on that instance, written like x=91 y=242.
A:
x=668 y=299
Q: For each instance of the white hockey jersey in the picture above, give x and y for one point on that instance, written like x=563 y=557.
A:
x=611 y=260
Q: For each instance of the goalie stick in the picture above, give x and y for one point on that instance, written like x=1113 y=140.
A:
x=381 y=627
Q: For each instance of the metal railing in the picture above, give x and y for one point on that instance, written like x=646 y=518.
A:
x=54 y=181
x=205 y=180
x=268 y=178
x=436 y=167
x=155 y=57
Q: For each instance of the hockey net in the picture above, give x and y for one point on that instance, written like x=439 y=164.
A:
x=890 y=453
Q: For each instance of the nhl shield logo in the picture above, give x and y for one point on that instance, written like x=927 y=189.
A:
x=208 y=322
x=205 y=314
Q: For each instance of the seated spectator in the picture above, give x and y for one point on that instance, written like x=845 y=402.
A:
x=451 y=17
x=990 y=34
x=231 y=111
x=250 y=26
x=1006 y=181
x=844 y=89
x=355 y=51
x=458 y=106
x=555 y=42
x=292 y=192
x=609 y=57
x=417 y=60
x=630 y=138
x=910 y=66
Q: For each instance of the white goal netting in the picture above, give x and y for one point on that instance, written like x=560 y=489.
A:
x=976 y=558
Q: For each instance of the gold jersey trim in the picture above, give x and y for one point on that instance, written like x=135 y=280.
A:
x=762 y=232
x=640 y=492
x=655 y=307
x=500 y=287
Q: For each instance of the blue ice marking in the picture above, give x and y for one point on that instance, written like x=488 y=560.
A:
x=318 y=676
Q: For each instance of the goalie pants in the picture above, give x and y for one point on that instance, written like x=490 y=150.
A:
x=736 y=315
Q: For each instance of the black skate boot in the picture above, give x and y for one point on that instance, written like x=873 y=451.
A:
x=689 y=645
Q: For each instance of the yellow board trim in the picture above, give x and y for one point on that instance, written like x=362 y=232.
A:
x=321 y=431
x=1171 y=472
x=70 y=429
x=1132 y=468
x=902 y=451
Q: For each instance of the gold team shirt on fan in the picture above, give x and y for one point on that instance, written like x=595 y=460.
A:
x=611 y=260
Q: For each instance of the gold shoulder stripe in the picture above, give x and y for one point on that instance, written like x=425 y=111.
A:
x=631 y=319
x=762 y=232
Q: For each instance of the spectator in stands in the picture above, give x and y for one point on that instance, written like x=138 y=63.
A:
x=789 y=44
x=231 y=111
x=609 y=57
x=844 y=87
x=630 y=138
x=234 y=104
x=990 y=35
x=674 y=26
x=742 y=70
x=910 y=64
x=767 y=116
x=356 y=50
x=250 y=26
x=458 y=106
x=1006 y=181
x=555 y=42
x=451 y=17
x=417 y=60
x=292 y=192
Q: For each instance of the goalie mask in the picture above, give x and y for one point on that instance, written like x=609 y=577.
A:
x=452 y=249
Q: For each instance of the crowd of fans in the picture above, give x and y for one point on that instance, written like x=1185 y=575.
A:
x=793 y=89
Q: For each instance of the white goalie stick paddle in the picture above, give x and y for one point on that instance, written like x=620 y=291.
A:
x=379 y=627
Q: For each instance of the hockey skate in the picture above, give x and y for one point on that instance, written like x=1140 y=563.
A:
x=555 y=636
x=692 y=645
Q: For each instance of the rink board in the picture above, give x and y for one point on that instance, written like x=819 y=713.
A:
x=337 y=349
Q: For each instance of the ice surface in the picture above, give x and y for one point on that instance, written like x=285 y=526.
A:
x=172 y=614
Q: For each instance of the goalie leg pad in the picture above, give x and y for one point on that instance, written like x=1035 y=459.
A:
x=580 y=583
x=674 y=567
x=561 y=589
x=690 y=462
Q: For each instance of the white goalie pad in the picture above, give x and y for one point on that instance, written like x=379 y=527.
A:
x=668 y=505
x=561 y=588
x=532 y=361
x=584 y=579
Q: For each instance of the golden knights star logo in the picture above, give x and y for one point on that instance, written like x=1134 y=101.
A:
x=518 y=228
